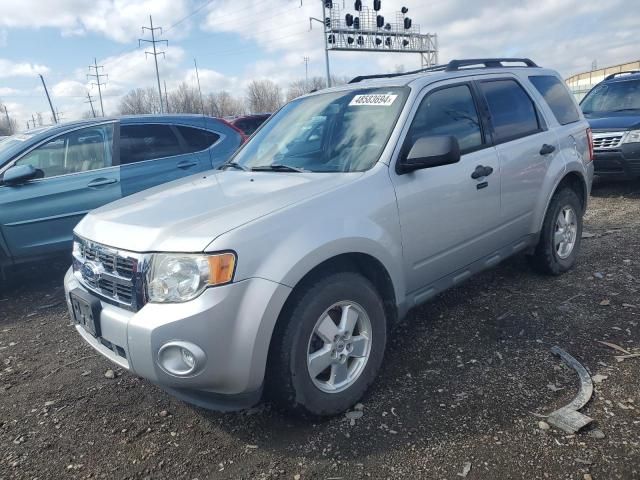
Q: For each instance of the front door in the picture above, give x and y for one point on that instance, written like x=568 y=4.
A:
x=448 y=219
x=38 y=217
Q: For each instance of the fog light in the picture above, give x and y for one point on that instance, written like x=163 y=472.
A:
x=181 y=359
x=188 y=358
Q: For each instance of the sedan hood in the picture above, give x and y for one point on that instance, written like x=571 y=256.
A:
x=188 y=214
x=613 y=120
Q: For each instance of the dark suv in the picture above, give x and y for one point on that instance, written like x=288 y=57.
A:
x=613 y=110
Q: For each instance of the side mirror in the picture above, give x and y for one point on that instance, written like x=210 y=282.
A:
x=430 y=151
x=20 y=174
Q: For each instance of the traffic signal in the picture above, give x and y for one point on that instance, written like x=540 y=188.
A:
x=380 y=21
x=404 y=10
x=377 y=5
x=356 y=23
x=328 y=4
x=407 y=23
x=348 y=19
x=358 y=5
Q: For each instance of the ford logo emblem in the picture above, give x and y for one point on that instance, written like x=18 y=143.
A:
x=91 y=271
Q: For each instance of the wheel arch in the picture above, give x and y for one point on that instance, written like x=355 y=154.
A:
x=573 y=179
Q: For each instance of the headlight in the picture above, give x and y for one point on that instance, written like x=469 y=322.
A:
x=632 y=137
x=175 y=278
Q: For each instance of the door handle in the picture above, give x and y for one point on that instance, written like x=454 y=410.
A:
x=547 y=149
x=481 y=172
x=186 y=164
x=101 y=182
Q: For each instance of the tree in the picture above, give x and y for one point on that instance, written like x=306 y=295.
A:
x=223 y=104
x=139 y=101
x=8 y=125
x=300 y=87
x=263 y=96
x=185 y=99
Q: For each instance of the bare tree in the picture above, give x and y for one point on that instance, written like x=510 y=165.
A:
x=8 y=125
x=184 y=99
x=39 y=119
x=139 y=101
x=223 y=104
x=263 y=96
x=297 y=88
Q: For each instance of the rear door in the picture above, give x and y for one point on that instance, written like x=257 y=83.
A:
x=526 y=148
x=154 y=153
x=38 y=217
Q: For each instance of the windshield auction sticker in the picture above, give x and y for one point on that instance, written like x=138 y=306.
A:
x=378 y=100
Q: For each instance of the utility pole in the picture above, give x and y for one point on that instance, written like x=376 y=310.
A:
x=97 y=76
x=6 y=114
x=199 y=89
x=155 y=53
x=306 y=73
x=90 y=102
x=325 y=29
x=166 y=97
x=53 y=113
x=33 y=118
x=59 y=115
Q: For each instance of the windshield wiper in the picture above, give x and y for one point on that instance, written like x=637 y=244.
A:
x=232 y=165
x=276 y=167
x=625 y=109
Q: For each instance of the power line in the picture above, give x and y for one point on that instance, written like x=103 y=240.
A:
x=190 y=15
x=97 y=76
x=155 y=53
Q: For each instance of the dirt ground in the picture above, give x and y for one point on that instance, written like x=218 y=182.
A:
x=463 y=384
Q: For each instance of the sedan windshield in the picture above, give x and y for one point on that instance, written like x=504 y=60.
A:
x=613 y=97
x=331 y=132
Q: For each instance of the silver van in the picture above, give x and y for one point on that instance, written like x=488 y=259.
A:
x=282 y=272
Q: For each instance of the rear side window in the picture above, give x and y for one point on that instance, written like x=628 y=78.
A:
x=449 y=111
x=513 y=114
x=557 y=97
x=147 y=142
x=197 y=139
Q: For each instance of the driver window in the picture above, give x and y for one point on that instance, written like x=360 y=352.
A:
x=449 y=111
x=78 y=151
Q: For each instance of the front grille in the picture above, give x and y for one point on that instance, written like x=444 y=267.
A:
x=607 y=141
x=115 y=275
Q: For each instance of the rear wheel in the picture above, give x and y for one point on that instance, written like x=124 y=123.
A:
x=328 y=346
x=561 y=234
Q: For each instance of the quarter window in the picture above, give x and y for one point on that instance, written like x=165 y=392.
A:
x=557 y=97
x=449 y=111
x=513 y=114
x=78 y=151
x=197 y=139
x=147 y=142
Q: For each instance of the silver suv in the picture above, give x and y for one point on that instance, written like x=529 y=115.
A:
x=283 y=271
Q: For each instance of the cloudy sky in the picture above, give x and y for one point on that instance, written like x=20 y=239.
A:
x=235 y=41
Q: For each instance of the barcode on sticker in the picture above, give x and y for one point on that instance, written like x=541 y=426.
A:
x=382 y=100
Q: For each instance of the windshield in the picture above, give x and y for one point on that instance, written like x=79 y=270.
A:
x=613 y=97
x=9 y=145
x=331 y=132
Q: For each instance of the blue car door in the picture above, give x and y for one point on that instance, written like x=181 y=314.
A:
x=37 y=217
x=154 y=153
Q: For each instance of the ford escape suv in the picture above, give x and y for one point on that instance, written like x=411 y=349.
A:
x=612 y=108
x=282 y=272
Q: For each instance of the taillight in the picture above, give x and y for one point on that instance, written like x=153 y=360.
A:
x=590 y=140
x=231 y=125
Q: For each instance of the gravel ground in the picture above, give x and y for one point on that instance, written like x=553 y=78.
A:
x=464 y=382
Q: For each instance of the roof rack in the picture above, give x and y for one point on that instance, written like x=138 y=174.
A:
x=454 y=65
x=617 y=74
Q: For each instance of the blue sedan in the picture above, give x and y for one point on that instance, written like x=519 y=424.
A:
x=51 y=177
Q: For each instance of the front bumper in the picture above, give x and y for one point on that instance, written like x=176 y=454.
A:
x=623 y=161
x=232 y=324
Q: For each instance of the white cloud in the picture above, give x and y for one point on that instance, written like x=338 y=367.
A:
x=119 y=20
x=9 y=68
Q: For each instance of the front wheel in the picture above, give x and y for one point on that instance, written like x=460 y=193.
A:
x=561 y=233
x=328 y=346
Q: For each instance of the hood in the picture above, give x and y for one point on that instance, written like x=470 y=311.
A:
x=614 y=120
x=188 y=214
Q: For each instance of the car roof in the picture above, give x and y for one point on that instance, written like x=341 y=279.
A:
x=622 y=77
x=421 y=78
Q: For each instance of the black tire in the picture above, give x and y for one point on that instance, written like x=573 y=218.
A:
x=545 y=258
x=289 y=384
